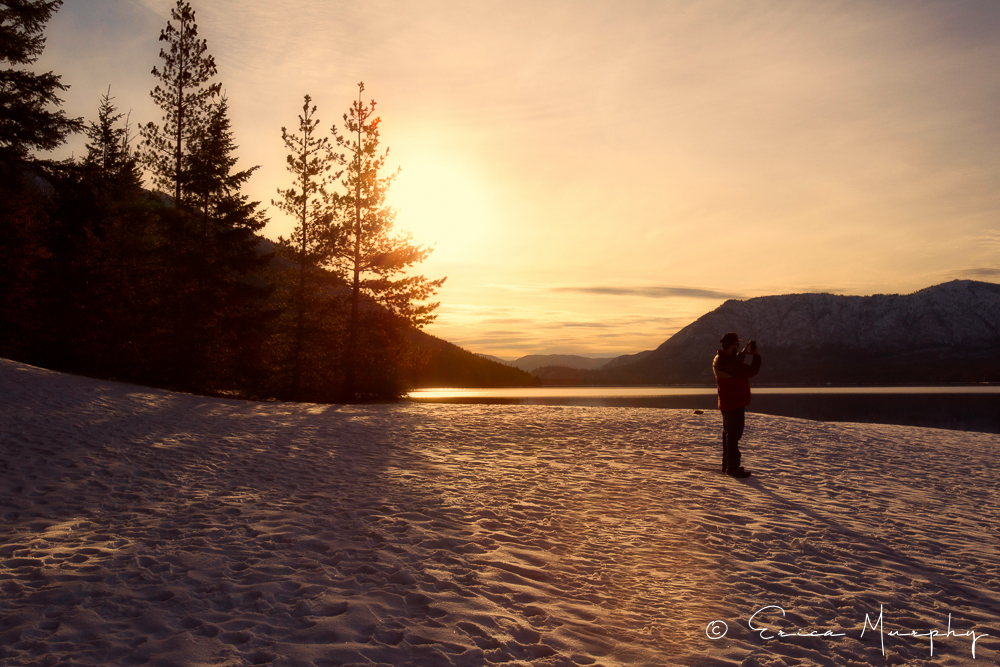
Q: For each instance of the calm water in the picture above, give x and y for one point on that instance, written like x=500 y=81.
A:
x=967 y=408
x=630 y=392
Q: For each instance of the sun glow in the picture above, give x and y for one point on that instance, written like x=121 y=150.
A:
x=445 y=204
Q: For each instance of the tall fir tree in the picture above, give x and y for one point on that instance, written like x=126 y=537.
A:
x=29 y=116
x=365 y=249
x=184 y=94
x=211 y=246
x=224 y=224
x=109 y=151
x=113 y=262
x=310 y=161
x=214 y=191
x=30 y=121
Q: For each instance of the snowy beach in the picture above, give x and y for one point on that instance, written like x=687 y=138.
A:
x=147 y=527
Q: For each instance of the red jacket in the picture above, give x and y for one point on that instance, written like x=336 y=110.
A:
x=733 y=378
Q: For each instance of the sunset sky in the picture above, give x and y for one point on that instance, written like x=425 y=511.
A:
x=596 y=175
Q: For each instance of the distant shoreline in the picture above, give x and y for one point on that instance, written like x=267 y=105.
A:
x=947 y=407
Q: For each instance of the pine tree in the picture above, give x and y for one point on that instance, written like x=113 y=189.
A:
x=27 y=120
x=363 y=247
x=185 y=95
x=310 y=162
x=30 y=121
x=214 y=190
x=225 y=226
x=211 y=252
x=114 y=258
x=109 y=152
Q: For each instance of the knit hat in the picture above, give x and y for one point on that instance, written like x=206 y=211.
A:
x=730 y=339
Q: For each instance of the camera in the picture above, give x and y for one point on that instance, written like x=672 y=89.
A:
x=753 y=346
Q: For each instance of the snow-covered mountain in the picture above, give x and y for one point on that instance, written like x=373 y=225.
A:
x=961 y=313
x=946 y=333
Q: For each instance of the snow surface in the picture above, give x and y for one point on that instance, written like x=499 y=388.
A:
x=147 y=527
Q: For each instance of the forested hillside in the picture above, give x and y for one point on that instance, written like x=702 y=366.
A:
x=143 y=260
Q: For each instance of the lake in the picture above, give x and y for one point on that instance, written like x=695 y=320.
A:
x=966 y=408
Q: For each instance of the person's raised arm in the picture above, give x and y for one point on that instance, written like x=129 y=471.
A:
x=755 y=364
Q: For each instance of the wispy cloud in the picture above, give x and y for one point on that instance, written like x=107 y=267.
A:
x=990 y=238
x=984 y=272
x=566 y=332
x=860 y=127
x=651 y=292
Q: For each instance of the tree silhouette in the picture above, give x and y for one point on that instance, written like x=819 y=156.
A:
x=363 y=246
x=310 y=161
x=109 y=151
x=222 y=233
x=213 y=188
x=209 y=243
x=27 y=120
x=184 y=94
x=90 y=303
x=30 y=121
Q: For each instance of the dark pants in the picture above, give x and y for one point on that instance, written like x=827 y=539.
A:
x=733 y=422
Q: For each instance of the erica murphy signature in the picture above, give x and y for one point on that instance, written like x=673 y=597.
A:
x=718 y=629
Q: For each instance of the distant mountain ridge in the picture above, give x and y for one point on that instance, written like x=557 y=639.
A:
x=627 y=359
x=945 y=333
x=532 y=362
x=961 y=313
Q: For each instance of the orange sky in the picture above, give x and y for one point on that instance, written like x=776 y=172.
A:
x=596 y=175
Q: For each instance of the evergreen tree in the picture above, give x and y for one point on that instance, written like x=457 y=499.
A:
x=27 y=120
x=310 y=162
x=364 y=248
x=109 y=152
x=209 y=245
x=185 y=95
x=225 y=224
x=108 y=220
x=214 y=190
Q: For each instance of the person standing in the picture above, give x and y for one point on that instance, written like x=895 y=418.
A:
x=732 y=376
